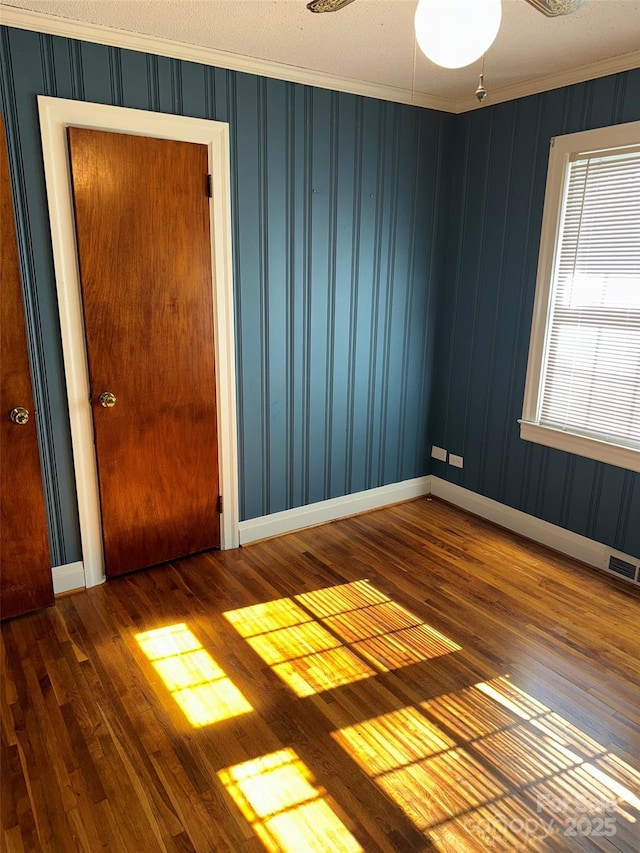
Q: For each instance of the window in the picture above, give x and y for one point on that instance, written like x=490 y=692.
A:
x=582 y=392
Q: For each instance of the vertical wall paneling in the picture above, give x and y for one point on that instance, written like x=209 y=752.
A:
x=354 y=274
x=153 y=83
x=624 y=512
x=307 y=155
x=176 y=86
x=473 y=384
x=630 y=85
x=385 y=425
x=247 y=285
x=333 y=248
x=48 y=64
x=76 y=70
x=373 y=395
x=115 y=71
x=319 y=289
x=506 y=189
x=340 y=262
x=449 y=296
x=98 y=68
x=431 y=198
x=263 y=286
x=629 y=533
x=135 y=80
x=289 y=293
x=364 y=283
x=410 y=128
x=297 y=291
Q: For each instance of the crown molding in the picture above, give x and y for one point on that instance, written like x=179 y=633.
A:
x=24 y=19
x=601 y=68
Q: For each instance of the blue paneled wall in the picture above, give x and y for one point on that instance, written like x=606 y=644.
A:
x=339 y=207
x=485 y=309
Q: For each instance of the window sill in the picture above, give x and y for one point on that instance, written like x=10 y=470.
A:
x=592 y=448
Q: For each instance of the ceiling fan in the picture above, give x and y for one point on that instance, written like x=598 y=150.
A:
x=444 y=42
x=550 y=8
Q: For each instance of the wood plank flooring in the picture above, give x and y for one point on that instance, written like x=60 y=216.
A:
x=411 y=679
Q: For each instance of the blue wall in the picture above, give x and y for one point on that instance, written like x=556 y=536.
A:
x=339 y=208
x=485 y=310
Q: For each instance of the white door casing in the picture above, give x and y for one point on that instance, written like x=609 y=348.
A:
x=56 y=114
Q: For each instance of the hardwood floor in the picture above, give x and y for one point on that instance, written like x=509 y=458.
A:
x=411 y=679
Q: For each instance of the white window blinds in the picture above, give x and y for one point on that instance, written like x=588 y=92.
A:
x=590 y=381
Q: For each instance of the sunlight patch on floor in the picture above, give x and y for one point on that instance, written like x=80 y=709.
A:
x=199 y=686
x=268 y=616
x=279 y=798
x=337 y=635
x=490 y=762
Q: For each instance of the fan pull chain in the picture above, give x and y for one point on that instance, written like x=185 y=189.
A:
x=481 y=92
x=413 y=76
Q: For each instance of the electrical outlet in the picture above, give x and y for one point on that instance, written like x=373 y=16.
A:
x=456 y=461
x=439 y=453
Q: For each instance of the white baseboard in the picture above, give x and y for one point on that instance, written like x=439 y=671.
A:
x=565 y=541
x=71 y=576
x=318 y=513
x=68 y=577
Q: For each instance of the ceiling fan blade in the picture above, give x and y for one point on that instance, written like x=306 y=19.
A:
x=550 y=8
x=327 y=5
x=554 y=8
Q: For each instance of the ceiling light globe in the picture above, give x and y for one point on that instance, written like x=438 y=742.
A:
x=454 y=33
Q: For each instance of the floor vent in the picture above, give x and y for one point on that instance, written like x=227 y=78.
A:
x=622 y=567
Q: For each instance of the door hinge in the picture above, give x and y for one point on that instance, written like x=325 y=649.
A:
x=209 y=186
x=220 y=504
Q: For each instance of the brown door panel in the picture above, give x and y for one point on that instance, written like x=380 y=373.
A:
x=142 y=222
x=25 y=566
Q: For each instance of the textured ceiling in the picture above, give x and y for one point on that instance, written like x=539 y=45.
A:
x=372 y=40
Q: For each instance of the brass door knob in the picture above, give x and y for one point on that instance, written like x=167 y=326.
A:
x=19 y=415
x=107 y=399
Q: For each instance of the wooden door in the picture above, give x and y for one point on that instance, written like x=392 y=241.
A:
x=142 y=224
x=25 y=566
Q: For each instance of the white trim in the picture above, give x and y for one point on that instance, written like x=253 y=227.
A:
x=56 y=114
x=68 y=577
x=593 y=553
x=591 y=448
x=592 y=71
x=551 y=220
x=561 y=150
x=319 y=513
x=565 y=541
x=40 y=22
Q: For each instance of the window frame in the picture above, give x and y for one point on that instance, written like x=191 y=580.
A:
x=562 y=149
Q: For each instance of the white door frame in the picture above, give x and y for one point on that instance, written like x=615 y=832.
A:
x=56 y=114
